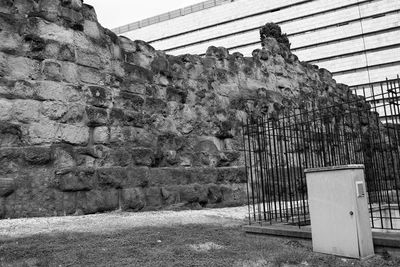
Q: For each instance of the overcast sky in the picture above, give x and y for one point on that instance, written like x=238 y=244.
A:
x=115 y=13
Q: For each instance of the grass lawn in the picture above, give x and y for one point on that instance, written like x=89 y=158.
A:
x=188 y=245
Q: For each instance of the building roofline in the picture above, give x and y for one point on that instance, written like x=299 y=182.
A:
x=170 y=15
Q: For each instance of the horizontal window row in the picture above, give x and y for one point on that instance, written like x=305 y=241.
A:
x=370 y=75
x=231 y=11
x=361 y=60
x=309 y=40
x=257 y=21
x=353 y=45
x=342 y=14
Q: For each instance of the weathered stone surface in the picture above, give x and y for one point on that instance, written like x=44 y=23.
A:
x=169 y=176
x=132 y=199
x=112 y=177
x=234 y=195
x=97 y=201
x=77 y=180
x=69 y=203
x=38 y=155
x=101 y=135
x=7 y=186
x=72 y=134
x=2 y=208
x=89 y=119
x=142 y=156
x=64 y=158
x=137 y=177
x=153 y=197
x=10 y=134
x=96 y=116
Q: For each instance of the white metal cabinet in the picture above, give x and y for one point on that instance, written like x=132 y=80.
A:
x=339 y=211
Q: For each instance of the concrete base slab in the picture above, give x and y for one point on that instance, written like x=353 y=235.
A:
x=381 y=239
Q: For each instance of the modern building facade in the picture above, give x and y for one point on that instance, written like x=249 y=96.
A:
x=357 y=40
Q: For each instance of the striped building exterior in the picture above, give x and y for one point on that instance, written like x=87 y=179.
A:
x=357 y=40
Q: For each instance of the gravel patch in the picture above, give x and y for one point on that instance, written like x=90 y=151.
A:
x=108 y=222
x=205 y=247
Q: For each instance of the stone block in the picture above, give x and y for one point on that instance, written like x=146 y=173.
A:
x=2 y=203
x=76 y=113
x=50 y=31
x=176 y=94
x=73 y=4
x=18 y=68
x=10 y=134
x=120 y=157
x=91 y=75
x=64 y=158
x=69 y=203
x=66 y=52
x=127 y=118
x=37 y=155
x=137 y=177
x=136 y=87
x=96 y=116
x=130 y=101
x=97 y=201
x=92 y=29
x=53 y=110
x=170 y=176
x=11 y=89
x=169 y=196
x=136 y=73
x=88 y=59
x=155 y=106
x=214 y=194
x=112 y=177
x=51 y=70
x=7 y=186
x=193 y=193
x=73 y=18
x=72 y=134
x=11 y=42
x=101 y=135
x=43 y=132
x=142 y=156
x=5 y=109
x=35 y=47
x=133 y=135
x=71 y=73
x=25 y=110
x=234 y=195
x=154 y=200
x=235 y=175
x=132 y=199
x=98 y=96
x=49 y=90
x=77 y=180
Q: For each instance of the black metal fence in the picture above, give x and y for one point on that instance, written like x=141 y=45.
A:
x=355 y=130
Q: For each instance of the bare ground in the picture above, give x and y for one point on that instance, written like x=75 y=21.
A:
x=108 y=222
x=167 y=238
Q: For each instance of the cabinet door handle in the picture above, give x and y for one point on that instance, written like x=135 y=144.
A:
x=351 y=213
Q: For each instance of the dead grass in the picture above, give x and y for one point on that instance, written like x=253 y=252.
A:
x=169 y=246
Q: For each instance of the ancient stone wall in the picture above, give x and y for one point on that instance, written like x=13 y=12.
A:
x=91 y=122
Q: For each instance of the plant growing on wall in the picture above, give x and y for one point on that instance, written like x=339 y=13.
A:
x=273 y=30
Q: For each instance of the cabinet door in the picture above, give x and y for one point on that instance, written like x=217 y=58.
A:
x=332 y=210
